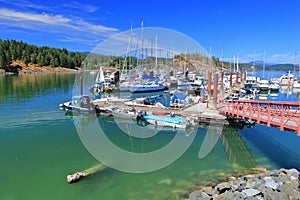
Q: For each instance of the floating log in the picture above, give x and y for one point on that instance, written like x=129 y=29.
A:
x=77 y=176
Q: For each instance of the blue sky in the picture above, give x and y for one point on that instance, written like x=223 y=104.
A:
x=238 y=26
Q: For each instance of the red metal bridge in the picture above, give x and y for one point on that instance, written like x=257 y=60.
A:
x=285 y=115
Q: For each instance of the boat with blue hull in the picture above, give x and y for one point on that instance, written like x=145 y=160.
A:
x=168 y=119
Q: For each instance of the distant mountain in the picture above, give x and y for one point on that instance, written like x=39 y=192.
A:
x=272 y=66
x=260 y=63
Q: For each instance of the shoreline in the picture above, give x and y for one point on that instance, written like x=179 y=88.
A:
x=267 y=184
x=18 y=67
x=30 y=70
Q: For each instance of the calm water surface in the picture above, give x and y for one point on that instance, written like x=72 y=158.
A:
x=39 y=146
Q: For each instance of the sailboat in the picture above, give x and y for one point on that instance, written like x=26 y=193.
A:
x=264 y=84
x=296 y=83
x=148 y=84
x=251 y=80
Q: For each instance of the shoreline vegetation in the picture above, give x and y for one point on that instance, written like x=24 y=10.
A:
x=19 y=57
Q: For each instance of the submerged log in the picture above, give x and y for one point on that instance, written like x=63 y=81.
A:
x=73 y=178
x=77 y=176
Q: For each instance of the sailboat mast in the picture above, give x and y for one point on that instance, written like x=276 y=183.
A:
x=222 y=58
x=264 y=66
x=210 y=55
x=142 y=24
x=234 y=63
x=156 y=66
x=254 y=62
x=295 y=61
x=237 y=63
x=173 y=62
x=184 y=66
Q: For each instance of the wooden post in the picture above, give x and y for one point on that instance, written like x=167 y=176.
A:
x=269 y=115
x=282 y=118
x=251 y=111
x=243 y=114
x=215 y=96
x=222 y=77
x=258 y=113
x=209 y=85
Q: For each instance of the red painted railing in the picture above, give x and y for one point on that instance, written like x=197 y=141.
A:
x=285 y=115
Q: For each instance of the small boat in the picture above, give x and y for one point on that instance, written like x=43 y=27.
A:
x=148 y=86
x=296 y=84
x=122 y=113
x=247 y=97
x=111 y=99
x=144 y=102
x=274 y=88
x=79 y=103
x=264 y=85
x=286 y=79
x=168 y=119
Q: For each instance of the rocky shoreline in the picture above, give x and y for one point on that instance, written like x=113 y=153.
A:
x=21 y=68
x=268 y=184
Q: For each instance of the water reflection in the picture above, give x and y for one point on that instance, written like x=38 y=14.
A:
x=26 y=86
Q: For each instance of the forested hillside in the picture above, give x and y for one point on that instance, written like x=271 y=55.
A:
x=12 y=50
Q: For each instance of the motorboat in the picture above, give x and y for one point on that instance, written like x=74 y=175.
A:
x=250 y=81
x=79 y=103
x=144 y=102
x=264 y=85
x=122 y=113
x=296 y=84
x=274 y=88
x=286 y=79
x=168 y=119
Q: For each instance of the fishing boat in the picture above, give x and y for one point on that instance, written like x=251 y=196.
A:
x=79 y=103
x=168 y=119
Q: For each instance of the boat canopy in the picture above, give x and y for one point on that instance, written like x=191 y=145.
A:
x=148 y=77
x=178 y=96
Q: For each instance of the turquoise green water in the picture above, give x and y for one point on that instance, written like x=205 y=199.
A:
x=39 y=146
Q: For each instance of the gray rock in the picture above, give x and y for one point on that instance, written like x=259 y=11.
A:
x=251 y=184
x=271 y=184
x=273 y=194
x=234 y=188
x=223 y=186
x=257 y=184
x=234 y=195
x=208 y=190
x=240 y=188
x=251 y=192
x=199 y=195
x=291 y=171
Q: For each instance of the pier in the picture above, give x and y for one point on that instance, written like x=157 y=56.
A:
x=285 y=115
